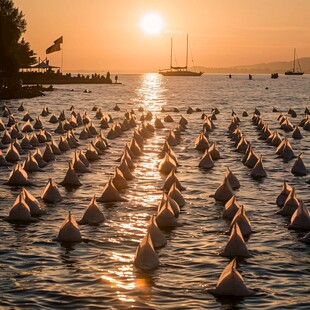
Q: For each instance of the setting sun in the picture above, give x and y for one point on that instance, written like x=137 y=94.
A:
x=152 y=24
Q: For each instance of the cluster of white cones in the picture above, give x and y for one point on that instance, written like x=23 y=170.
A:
x=230 y=283
x=169 y=208
x=26 y=208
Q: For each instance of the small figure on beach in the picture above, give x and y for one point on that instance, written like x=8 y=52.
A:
x=230 y=76
x=108 y=78
x=250 y=77
x=116 y=78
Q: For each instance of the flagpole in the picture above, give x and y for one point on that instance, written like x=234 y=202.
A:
x=62 y=55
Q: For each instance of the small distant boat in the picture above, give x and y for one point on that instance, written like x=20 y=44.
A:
x=274 y=75
x=179 y=71
x=295 y=71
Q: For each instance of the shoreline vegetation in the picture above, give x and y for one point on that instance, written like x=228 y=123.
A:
x=30 y=84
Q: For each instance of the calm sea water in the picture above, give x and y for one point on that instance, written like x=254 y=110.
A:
x=37 y=272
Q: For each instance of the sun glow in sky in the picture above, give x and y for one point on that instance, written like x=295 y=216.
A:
x=104 y=35
x=152 y=23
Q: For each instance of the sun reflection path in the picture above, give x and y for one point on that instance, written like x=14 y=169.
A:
x=144 y=194
x=151 y=94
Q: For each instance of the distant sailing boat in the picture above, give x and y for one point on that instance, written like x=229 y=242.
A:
x=294 y=71
x=179 y=71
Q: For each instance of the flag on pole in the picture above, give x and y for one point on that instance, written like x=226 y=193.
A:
x=59 y=40
x=55 y=47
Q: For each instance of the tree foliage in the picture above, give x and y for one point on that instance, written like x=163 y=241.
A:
x=14 y=51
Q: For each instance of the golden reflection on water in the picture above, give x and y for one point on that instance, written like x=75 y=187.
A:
x=121 y=257
x=151 y=93
x=125 y=279
x=143 y=193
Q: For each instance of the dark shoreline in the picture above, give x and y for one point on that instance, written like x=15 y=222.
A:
x=34 y=78
x=30 y=84
x=23 y=92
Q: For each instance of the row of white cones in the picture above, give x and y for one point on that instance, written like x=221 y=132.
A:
x=146 y=257
x=230 y=283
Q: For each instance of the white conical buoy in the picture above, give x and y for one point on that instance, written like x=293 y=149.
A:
x=71 y=178
x=175 y=194
x=296 y=133
x=110 y=193
x=202 y=143
x=12 y=153
x=34 y=141
x=252 y=159
x=243 y=222
x=166 y=217
x=92 y=215
x=173 y=204
x=38 y=157
x=158 y=123
x=123 y=167
x=299 y=167
x=18 y=176
x=286 y=189
x=78 y=165
x=236 y=245
x=301 y=218
x=290 y=205
x=231 y=208
x=232 y=179
x=63 y=144
x=32 y=202
x=167 y=164
x=206 y=161
x=118 y=180
x=69 y=231
x=51 y=192
x=3 y=161
x=172 y=178
x=224 y=192
x=214 y=152
x=48 y=154
x=20 y=211
x=158 y=238
x=231 y=283
x=146 y=257
x=258 y=171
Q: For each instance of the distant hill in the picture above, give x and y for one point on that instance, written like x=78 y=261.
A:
x=271 y=67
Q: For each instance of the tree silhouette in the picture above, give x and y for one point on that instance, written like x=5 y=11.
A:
x=14 y=51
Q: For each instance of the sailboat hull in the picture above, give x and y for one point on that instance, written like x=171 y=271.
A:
x=293 y=73
x=180 y=73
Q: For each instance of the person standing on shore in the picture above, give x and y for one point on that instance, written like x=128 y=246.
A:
x=116 y=78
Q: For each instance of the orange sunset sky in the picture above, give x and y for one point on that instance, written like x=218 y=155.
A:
x=101 y=35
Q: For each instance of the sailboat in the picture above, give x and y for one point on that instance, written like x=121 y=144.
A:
x=294 y=71
x=179 y=71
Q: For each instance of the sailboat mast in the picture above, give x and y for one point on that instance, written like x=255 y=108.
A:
x=186 y=51
x=171 y=55
x=294 y=59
